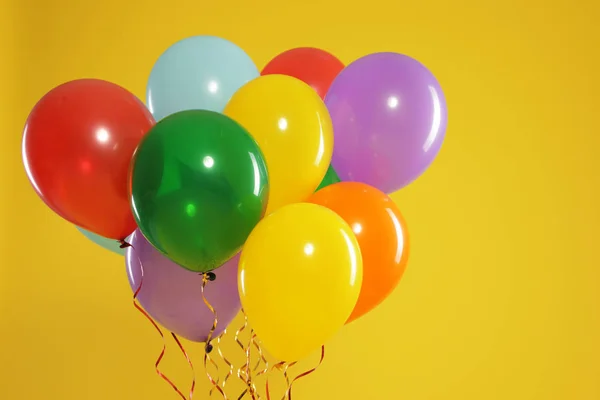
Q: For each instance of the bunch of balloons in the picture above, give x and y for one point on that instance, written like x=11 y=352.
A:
x=275 y=183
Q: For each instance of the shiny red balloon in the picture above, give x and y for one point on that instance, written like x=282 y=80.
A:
x=315 y=67
x=77 y=145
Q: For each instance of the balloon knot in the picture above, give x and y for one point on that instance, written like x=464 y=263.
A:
x=211 y=276
x=208 y=348
x=123 y=244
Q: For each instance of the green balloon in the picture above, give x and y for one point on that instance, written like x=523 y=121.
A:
x=199 y=185
x=330 y=178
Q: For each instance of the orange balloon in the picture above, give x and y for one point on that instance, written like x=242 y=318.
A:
x=382 y=236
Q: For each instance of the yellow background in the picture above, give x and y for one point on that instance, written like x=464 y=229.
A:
x=501 y=296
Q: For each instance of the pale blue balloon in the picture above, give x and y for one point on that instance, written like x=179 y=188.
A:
x=108 y=244
x=197 y=73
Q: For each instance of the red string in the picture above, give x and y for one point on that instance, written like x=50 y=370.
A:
x=164 y=349
x=187 y=357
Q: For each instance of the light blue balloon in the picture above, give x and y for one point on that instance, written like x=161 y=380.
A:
x=108 y=244
x=200 y=72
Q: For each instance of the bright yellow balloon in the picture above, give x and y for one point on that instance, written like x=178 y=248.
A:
x=299 y=278
x=292 y=126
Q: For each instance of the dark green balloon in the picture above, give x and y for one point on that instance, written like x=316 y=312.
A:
x=330 y=178
x=199 y=185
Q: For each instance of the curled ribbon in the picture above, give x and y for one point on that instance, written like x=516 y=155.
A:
x=187 y=357
x=244 y=373
x=250 y=382
x=206 y=277
x=283 y=366
x=261 y=357
x=164 y=349
x=306 y=373
x=241 y=370
x=229 y=364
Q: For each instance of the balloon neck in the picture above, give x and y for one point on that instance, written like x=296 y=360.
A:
x=123 y=244
x=208 y=348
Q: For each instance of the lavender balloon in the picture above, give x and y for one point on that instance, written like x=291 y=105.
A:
x=172 y=295
x=389 y=120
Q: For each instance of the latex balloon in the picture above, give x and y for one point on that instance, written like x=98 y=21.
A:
x=77 y=145
x=313 y=66
x=389 y=117
x=330 y=178
x=198 y=187
x=173 y=296
x=300 y=275
x=292 y=127
x=381 y=233
x=108 y=244
x=199 y=72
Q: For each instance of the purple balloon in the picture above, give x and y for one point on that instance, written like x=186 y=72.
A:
x=389 y=120
x=172 y=295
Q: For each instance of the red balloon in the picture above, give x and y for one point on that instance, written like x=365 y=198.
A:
x=77 y=145
x=315 y=67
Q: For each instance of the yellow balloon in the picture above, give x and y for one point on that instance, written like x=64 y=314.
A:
x=292 y=127
x=299 y=278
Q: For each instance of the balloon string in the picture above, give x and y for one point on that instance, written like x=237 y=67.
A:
x=241 y=370
x=304 y=374
x=246 y=370
x=164 y=349
x=206 y=277
x=251 y=385
x=244 y=373
x=283 y=367
x=229 y=364
x=187 y=357
x=261 y=357
x=287 y=366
